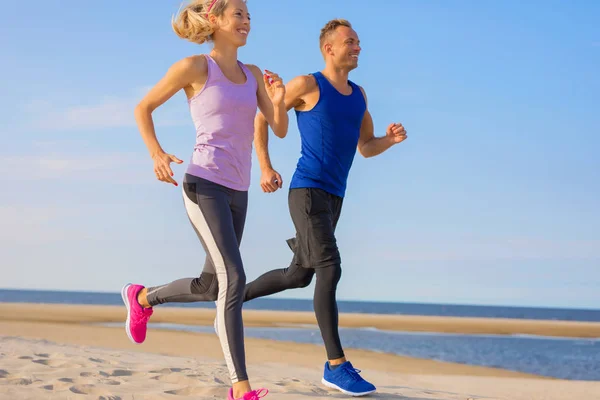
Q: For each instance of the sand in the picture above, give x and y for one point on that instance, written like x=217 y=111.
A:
x=55 y=352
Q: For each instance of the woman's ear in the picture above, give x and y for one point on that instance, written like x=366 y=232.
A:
x=212 y=18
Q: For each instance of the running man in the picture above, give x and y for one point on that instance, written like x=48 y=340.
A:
x=334 y=121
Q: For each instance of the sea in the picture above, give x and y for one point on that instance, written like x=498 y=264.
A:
x=564 y=358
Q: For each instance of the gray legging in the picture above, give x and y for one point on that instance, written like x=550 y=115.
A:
x=217 y=214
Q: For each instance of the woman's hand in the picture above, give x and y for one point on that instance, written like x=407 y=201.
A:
x=162 y=166
x=275 y=87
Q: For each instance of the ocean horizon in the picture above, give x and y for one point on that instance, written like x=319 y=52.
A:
x=345 y=306
x=563 y=358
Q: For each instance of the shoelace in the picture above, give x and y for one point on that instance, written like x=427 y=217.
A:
x=354 y=373
x=143 y=316
x=258 y=394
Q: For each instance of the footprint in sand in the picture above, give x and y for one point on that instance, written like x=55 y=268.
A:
x=196 y=376
x=198 y=391
x=88 y=374
x=61 y=384
x=20 y=381
x=56 y=363
x=318 y=391
x=300 y=386
x=168 y=370
x=177 y=379
x=120 y=372
x=44 y=362
x=91 y=389
x=55 y=386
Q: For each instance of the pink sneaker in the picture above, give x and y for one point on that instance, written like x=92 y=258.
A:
x=137 y=316
x=253 y=395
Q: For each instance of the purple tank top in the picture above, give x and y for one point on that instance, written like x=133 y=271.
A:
x=223 y=113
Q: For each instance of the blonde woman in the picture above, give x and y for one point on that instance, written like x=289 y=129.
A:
x=223 y=96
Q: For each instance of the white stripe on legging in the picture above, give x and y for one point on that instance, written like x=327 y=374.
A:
x=155 y=290
x=197 y=218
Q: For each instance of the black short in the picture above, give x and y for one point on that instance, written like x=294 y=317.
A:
x=315 y=213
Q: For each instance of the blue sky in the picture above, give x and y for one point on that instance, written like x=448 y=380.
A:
x=493 y=199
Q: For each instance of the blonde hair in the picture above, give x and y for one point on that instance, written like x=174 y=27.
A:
x=193 y=24
x=330 y=27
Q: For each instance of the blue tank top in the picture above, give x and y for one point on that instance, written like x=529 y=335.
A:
x=329 y=134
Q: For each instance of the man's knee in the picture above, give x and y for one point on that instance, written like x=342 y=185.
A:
x=329 y=276
x=302 y=278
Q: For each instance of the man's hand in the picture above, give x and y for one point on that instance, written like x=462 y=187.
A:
x=396 y=133
x=270 y=180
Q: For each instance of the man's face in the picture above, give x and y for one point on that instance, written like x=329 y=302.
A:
x=343 y=48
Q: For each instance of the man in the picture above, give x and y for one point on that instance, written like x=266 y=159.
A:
x=333 y=121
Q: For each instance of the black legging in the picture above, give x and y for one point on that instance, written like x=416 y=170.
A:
x=295 y=276
x=218 y=215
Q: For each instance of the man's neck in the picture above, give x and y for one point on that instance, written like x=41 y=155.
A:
x=338 y=77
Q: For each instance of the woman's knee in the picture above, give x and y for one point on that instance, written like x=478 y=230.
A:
x=206 y=285
x=236 y=280
x=213 y=292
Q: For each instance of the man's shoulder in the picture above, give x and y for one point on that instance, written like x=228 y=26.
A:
x=303 y=83
x=308 y=79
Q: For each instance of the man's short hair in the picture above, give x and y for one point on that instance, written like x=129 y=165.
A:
x=330 y=27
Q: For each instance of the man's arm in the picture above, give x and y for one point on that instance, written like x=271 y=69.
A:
x=294 y=91
x=271 y=104
x=368 y=144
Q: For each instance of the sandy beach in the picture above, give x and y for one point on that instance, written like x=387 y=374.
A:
x=59 y=352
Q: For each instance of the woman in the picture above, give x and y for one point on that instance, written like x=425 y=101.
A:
x=223 y=95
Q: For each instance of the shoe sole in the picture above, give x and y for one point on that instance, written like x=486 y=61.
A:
x=126 y=301
x=334 y=386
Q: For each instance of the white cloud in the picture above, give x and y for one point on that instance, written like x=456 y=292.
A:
x=117 y=167
x=109 y=112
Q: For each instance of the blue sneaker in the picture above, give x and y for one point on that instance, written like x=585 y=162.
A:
x=347 y=380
